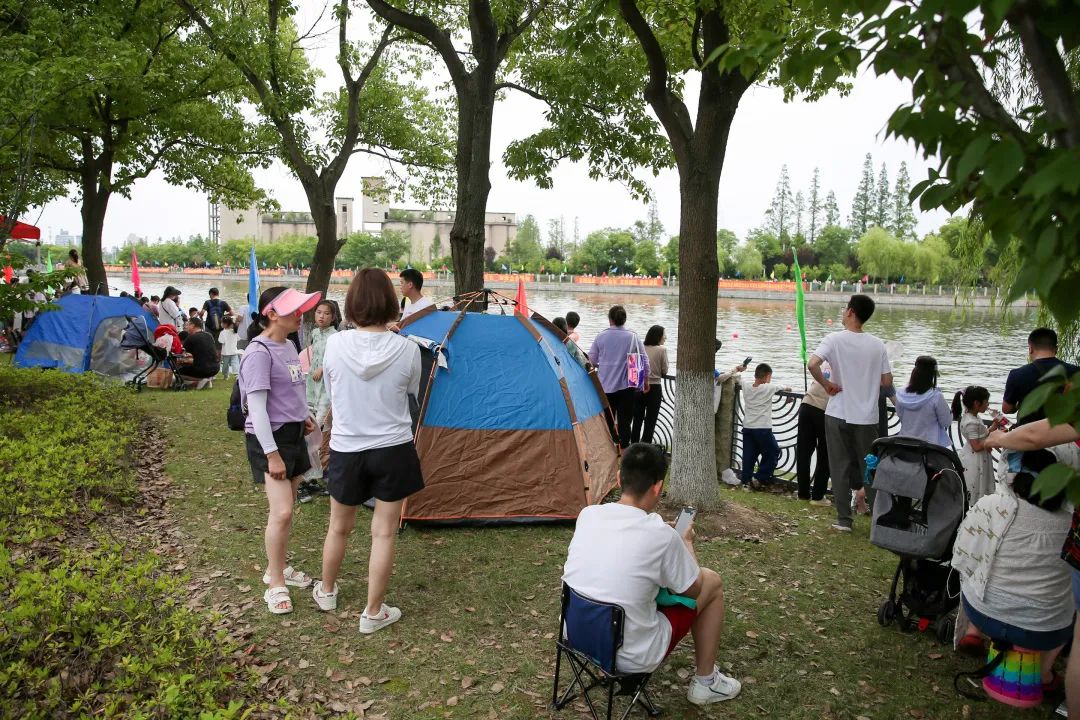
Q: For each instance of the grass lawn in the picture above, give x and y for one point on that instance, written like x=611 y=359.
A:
x=481 y=605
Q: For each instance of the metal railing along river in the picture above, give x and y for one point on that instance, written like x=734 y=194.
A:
x=785 y=417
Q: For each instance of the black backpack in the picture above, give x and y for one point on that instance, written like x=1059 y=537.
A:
x=214 y=315
x=236 y=416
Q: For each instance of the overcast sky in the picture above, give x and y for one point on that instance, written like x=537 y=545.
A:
x=833 y=134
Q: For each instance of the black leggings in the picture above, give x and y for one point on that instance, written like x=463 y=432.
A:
x=198 y=372
x=622 y=404
x=811 y=438
x=646 y=410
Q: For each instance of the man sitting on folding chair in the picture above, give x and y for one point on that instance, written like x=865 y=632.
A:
x=624 y=553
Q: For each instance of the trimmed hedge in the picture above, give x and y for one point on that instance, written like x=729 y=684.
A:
x=88 y=627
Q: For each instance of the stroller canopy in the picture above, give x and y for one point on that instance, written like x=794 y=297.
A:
x=512 y=429
x=87 y=332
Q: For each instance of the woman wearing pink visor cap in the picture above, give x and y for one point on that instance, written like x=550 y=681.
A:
x=274 y=392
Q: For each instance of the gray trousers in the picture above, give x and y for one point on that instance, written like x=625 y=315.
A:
x=848 y=445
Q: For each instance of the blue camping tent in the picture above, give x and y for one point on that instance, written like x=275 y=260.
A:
x=512 y=428
x=85 y=333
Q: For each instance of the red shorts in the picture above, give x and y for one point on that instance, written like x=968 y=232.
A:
x=681 y=618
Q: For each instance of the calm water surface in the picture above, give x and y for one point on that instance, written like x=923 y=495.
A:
x=973 y=346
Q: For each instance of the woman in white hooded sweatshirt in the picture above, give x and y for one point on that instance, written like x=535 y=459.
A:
x=369 y=372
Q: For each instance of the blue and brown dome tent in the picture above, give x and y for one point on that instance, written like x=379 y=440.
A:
x=512 y=429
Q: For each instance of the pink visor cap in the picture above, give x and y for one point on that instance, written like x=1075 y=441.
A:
x=292 y=301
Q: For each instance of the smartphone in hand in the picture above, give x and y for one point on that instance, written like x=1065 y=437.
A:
x=746 y=362
x=685 y=519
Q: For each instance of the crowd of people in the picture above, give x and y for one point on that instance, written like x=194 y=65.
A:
x=331 y=412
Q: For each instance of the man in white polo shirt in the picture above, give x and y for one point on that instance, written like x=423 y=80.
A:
x=624 y=553
x=860 y=370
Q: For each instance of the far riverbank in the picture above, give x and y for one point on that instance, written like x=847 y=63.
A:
x=902 y=295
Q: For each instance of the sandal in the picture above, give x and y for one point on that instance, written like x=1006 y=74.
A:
x=276 y=596
x=292 y=577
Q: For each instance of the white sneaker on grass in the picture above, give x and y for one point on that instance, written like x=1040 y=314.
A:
x=387 y=616
x=720 y=689
x=326 y=601
x=841 y=528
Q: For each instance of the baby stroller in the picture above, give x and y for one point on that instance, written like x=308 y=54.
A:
x=138 y=337
x=921 y=499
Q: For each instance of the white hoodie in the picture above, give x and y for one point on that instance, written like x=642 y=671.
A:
x=368 y=376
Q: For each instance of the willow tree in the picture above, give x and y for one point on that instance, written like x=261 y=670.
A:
x=722 y=47
x=372 y=112
x=996 y=98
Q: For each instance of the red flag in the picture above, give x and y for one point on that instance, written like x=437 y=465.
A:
x=135 y=275
x=522 y=304
x=9 y=274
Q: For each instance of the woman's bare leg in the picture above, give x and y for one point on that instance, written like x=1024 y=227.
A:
x=384 y=529
x=342 y=520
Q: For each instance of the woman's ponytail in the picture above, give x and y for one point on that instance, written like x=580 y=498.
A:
x=957 y=405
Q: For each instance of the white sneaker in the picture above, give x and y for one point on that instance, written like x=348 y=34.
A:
x=387 y=616
x=841 y=528
x=722 y=688
x=326 y=601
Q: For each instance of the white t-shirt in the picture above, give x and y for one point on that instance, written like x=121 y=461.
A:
x=757 y=404
x=368 y=376
x=858 y=361
x=415 y=307
x=228 y=338
x=620 y=554
x=169 y=313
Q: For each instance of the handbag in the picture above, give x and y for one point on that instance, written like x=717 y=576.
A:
x=635 y=365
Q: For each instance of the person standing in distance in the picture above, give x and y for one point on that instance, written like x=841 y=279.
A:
x=608 y=353
x=368 y=373
x=412 y=285
x=1042 y=351
x=860 y=368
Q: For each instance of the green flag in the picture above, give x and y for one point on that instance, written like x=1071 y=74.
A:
x=48 y=261
x=800 y=308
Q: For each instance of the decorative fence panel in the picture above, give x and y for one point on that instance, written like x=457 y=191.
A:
x=785 y=426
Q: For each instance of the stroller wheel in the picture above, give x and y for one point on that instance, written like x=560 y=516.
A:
x=944 y=627
x=886 y=613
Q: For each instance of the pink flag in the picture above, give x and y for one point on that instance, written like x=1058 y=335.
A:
x=522 y=304
x=135 y=275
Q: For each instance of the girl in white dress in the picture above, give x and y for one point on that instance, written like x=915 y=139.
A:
x=978 y=463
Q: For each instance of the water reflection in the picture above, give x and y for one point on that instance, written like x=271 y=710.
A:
x=974 y=346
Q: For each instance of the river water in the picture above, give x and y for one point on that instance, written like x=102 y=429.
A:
x=973 y=346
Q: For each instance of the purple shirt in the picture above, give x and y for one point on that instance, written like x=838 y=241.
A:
x=608 y=354
x=273 y=366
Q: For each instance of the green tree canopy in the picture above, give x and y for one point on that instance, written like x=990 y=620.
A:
x=140 y=93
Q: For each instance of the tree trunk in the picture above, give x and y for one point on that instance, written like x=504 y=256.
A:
x=693 y=472
x=476 y=108
x=323 y=212
x=95 y=202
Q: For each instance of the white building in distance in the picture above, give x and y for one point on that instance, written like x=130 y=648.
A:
x=428 y=231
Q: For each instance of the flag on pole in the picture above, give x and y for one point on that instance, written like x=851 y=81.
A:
x=135 y=275
x=800 y=309
x=253 y=282
x=48 y=261
x=9 y=274
x=521 y=302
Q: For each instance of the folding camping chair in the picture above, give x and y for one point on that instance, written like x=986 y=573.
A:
x=590 y=635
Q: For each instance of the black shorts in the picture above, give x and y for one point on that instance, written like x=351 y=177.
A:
x=291 y=445
x=388 y=474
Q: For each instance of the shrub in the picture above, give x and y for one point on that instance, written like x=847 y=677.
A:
x=89 y=628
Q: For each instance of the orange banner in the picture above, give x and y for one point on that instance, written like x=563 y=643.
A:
x=509 y=277
x=623 y=281
x=758 y=285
